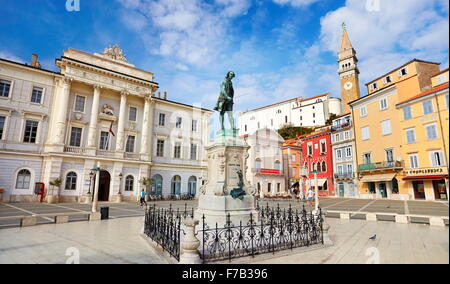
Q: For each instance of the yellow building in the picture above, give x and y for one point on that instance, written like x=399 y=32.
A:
x=376 y=126
x=424 y=127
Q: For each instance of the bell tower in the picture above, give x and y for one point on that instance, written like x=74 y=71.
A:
x=348 y=71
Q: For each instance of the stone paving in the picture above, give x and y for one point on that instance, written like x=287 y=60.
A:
x=121 y=210
x=118 y=241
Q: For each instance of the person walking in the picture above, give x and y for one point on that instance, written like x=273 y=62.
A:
x=143 y=198
x=310 y=197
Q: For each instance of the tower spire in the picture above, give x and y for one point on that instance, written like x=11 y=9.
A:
x=345 y=41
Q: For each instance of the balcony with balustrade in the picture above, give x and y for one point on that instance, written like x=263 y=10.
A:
x=381 y=166
x=344 y=176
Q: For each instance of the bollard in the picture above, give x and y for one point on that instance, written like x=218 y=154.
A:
x=345 y=216
x=402 y=219
x=325 y=230
x=95 y=216
x=371 y=217
x=28 y=221
x=437 y=221
x=190 y=244
x=61 y=219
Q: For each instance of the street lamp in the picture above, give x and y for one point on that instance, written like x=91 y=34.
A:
x=120 y=185
x=91 y=176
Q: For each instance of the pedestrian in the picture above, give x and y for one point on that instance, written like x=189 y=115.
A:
x=310 y=197
x=302 y=194
x=143 y=198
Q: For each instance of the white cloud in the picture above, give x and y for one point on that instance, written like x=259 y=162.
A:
x=296 y=3
x=192 y=31
x=400 y=31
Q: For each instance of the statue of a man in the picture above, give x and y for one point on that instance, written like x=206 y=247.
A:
x=225 y=101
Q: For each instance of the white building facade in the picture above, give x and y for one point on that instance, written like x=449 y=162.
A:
x=299 y=112
x=265 y=163
x=98 y=111
x=344 y=157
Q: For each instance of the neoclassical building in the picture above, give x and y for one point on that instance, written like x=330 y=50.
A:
x=98 y=111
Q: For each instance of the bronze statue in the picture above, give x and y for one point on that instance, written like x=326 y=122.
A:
x=239 y=192
x=225 y=101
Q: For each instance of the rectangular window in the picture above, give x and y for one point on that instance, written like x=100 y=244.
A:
x=193 y=151
x=129 y=148
x=194 y=125
x=407 y=113
x=339 y=153
x=403 y=72
x=431 y=131
x=365 y=133
x=348 y=152
x=31 y=128
x=386 y=127
x=160 y=148
x=427 y=107
x=132 y=114
x=177 y=150
x=5 y=86
x=179 y=122
x=245 y=128
x=367 y=158
x=80 y=103
x=75 y=136
x=310 y=149
x=410 y=136
x=374 y=86
x=104 y=140
x=363 y=111
x=437 y=159
x=446 y=100
x=336 y=138
x=349 y=168
x=414 y=161
x=36 y=96
x=294 y=158
x=383 y=104
x=162 y=119
x=390 y=155
x=2 y=126
x=340 y=169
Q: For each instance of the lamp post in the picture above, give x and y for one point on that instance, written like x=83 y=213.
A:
x=316 y=192
x=97 y=181
x=91 y=176
x=120 y=184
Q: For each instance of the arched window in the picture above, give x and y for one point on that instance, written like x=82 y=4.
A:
x=277 y=165
x=324 y=167
x=176 y=185
x=258 y=164
x=23 y=179
x=158 y=184
x=129 y=183
x=71 y=181
x=192 y=186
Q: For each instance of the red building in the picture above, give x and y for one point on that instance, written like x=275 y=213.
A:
x=317 y=156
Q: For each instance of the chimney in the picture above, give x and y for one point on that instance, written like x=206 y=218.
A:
x=165 y=95
x=34 y=61
x=159 y=95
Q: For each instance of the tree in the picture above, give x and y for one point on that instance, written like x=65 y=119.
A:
x=330 y=120
x=55 y=183
x=290 y=131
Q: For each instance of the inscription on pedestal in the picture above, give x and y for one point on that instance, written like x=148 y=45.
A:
x=233 y=178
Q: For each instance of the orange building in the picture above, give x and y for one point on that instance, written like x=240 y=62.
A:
x=292 y=161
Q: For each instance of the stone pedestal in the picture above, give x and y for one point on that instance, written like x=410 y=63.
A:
x=227 y=165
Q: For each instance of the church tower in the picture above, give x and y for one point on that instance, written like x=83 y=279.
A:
x=348 y=72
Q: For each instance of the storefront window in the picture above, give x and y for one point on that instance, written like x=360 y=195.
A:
x=394 y=186
x=372 y=189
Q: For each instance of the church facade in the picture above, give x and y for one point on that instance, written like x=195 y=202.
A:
x=98 y=111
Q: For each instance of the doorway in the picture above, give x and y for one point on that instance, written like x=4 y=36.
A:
x=103 y=186
x=382 y=189
x=419 y=190
x=341 y=190
x=440 y=191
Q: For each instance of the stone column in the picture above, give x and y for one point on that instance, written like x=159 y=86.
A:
x=63 y=92
x=146 y=140
x=92 y=136
x=120 y=143
x=97 y=182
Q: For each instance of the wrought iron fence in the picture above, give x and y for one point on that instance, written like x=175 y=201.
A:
x=273 y=229
x=163 y=226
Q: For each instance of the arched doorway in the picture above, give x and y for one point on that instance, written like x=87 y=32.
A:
x=158 y=184
x=192 y=186
x=103 y=186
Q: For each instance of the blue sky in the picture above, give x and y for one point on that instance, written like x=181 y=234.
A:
x=279 y=49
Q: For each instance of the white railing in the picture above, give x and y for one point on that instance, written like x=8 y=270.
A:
x=73 y=150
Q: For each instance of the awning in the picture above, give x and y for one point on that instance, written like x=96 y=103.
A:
x=320 y=182
x=419 y=178
x=377 y=178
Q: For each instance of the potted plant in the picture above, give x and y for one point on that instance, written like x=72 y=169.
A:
x=146 y=182
x=54 y=183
